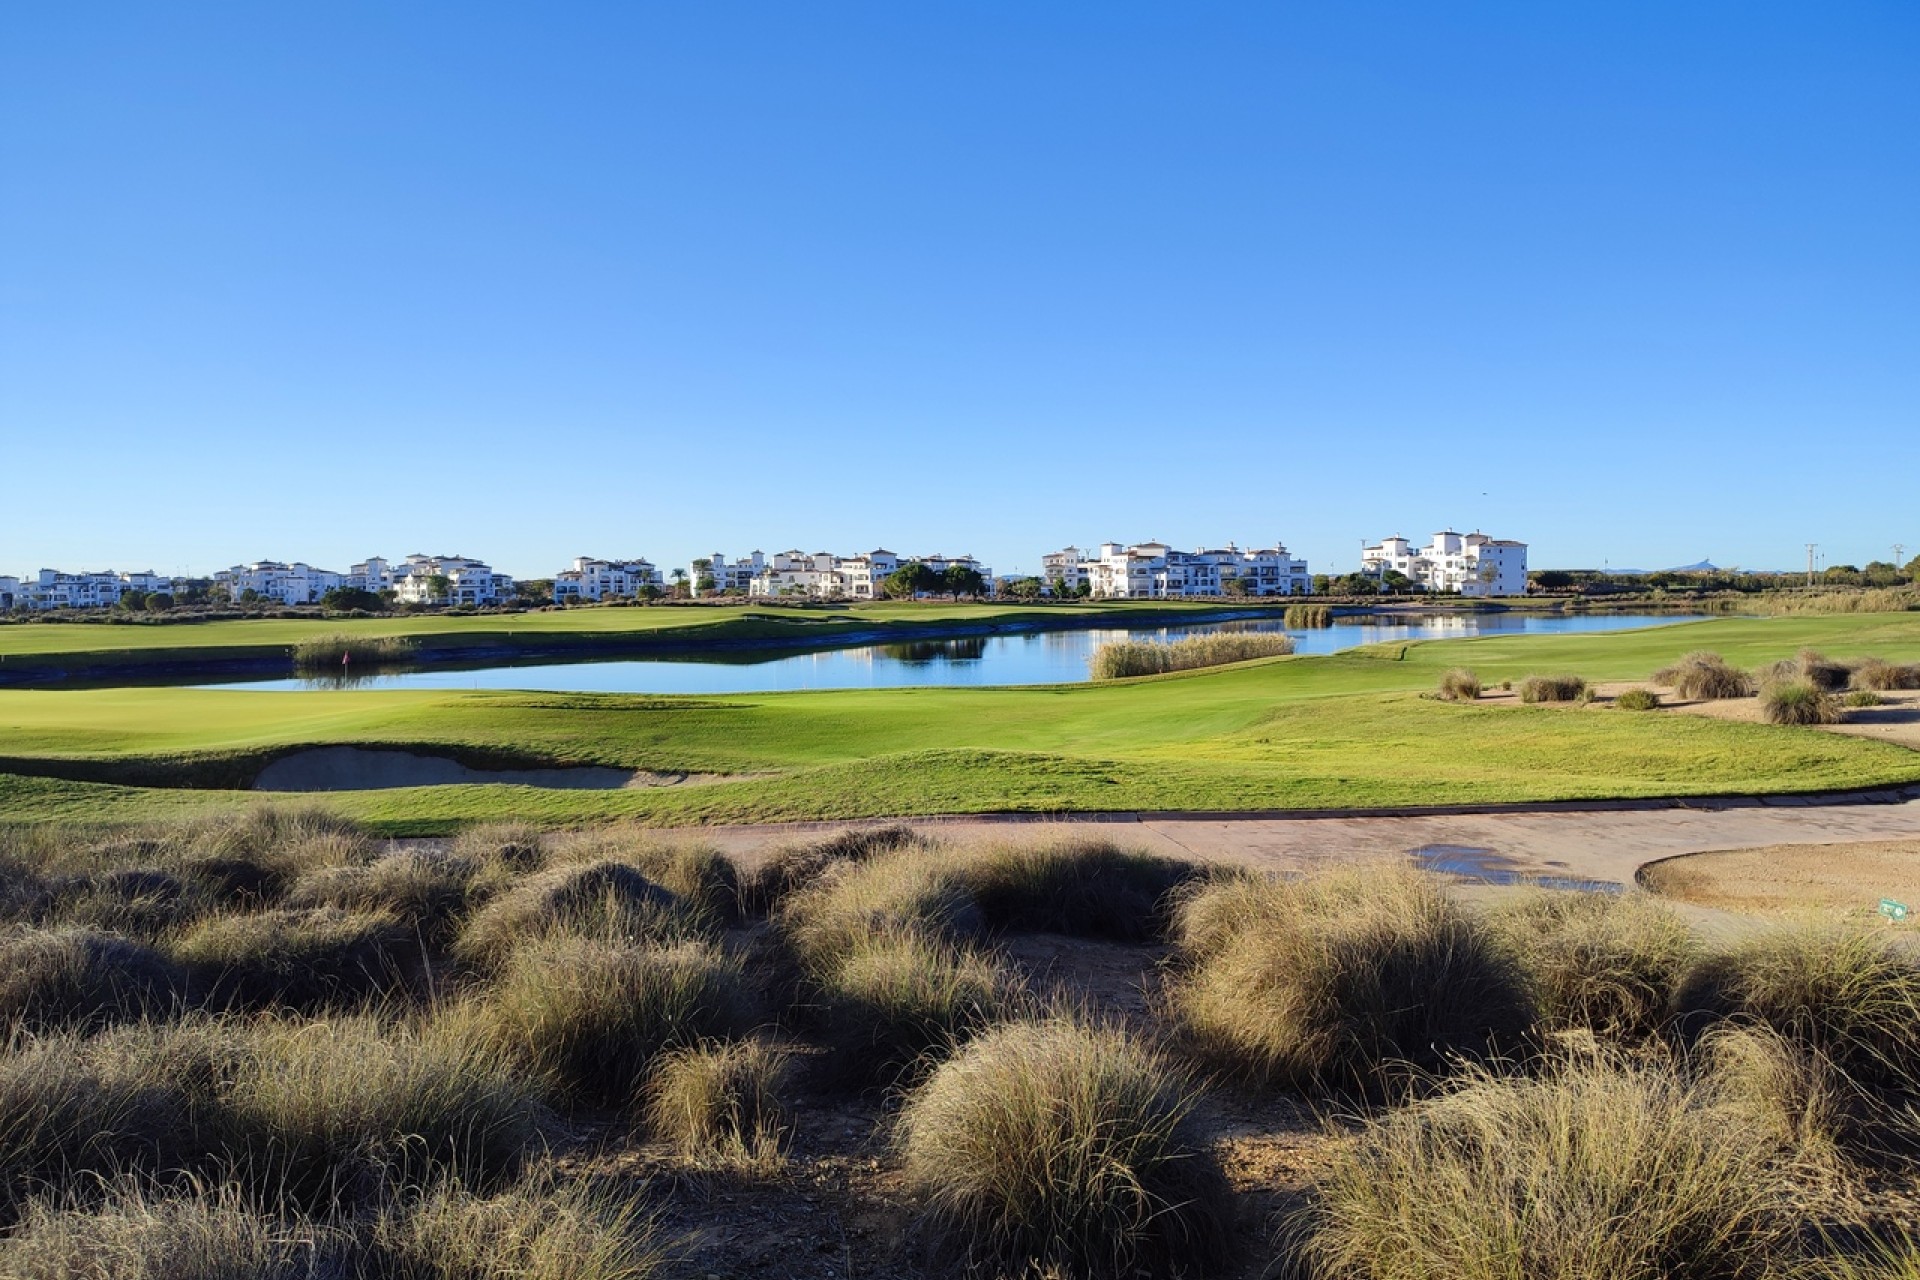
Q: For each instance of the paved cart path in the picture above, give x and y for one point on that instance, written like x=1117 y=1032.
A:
x=1606 y=844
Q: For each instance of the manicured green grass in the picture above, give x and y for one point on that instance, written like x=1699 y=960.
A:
x=70 y=643
x=1350 y=730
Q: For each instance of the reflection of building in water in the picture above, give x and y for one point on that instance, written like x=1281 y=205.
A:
x=1466 y=564
x=1154 y=570
x=958 y=649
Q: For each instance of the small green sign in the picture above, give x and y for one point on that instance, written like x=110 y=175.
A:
x=1895 y=911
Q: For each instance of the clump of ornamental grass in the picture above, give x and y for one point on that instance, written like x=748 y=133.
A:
x=540 y=1229
x=1346 y=978
x=1606 y=963
x=1059 y=1147
x=1704 y=676
x=284 y=842
x=1553 y=689
x=139 y=902
x=332 y=653
x=851 y=901
x=1458 y=685
x=1879 y=675
x=1849 y=996
x=324 y=958
x=1862 y=698
x=591 y=1017
x=898 y=1000
x=83 y=978
x=699 y=875
x=1594 y=1167
x=1079 y=886
x=1790 y=1094
x=426 y=891
x=1637 y=700
x=142 y=1233
x=608 y=901
x=323 y=1112
x=1124 y=659
x=793 y=867
x=719 y=1105
x=1798 y=702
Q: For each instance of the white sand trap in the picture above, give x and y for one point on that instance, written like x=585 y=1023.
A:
x=374 y=769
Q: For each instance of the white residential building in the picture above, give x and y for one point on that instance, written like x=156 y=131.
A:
x=10 y=593
x=591 y=579
x=52 y=589
x=821 y=575
x=296 y=583
x=731 y=575
x=1154 y=570
x=468 y=582
x=1465 y=564
x=373 y=574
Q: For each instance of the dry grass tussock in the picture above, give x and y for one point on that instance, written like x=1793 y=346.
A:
x=1868 y=600
x=851 y=901
x=1601 y=1167
x=899 y=1000
x=591 y=1017
x=1554 y=689
x=324 y=958
x=719 y=1104
x=1081 y=886
x=53 y=978
x=331 y=653
x=1127 y=658
x=1061 y=1145
x=1637 y=700
x=703 y=878
x=1880 y=676
x=1806 y=667
x=1458 y=685
x=608 y=900
x=543 y=1229
x=793 y=867
x=1608 y=964
x=1346 y=978
x=142 y=1234
x=1703 y=676
x=1798 y=702
x=427 y=891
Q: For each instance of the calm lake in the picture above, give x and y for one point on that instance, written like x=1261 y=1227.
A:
x=1048 y=657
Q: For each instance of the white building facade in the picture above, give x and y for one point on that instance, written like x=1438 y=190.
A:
x=1154 y=570
x=295 y=583
x=53 y=589
x=1470 y=564
x=469 y=582
x=592 y=579
x=822 y=575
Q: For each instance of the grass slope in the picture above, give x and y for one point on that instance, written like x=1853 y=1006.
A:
x=1339 y=731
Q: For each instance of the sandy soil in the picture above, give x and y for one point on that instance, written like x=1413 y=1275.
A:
x=369 y=769
x=1828 y=881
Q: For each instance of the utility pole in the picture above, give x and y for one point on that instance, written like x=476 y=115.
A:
x=1810 y=547
x=1899 y=555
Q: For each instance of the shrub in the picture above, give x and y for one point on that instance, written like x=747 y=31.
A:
x=1459 y=685
x=1084 y=887
x=1606 y=963
x=1553 y=689
x=1637 y=700
x=1885 y=677
x=1862 y=698
x=608 y=901
x=81 y=978
x=899 y=998
x=1826 y=676
x=326 y=1111
x=699 y=875
x=426 y=891
x=1597 y=1168
x=539 y=1230
x=1797 y=702
x=141 y=1234
x=720 y=1103
x=307 y=960
x=592 y=1016
x=1702 y=676
x=1348 y=977
x=1057 y=1145
x=793 y=867
x=1127 y=658
x=1847 y=995
x=830 y=919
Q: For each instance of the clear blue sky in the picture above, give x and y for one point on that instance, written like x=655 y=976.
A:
x=1635 y=282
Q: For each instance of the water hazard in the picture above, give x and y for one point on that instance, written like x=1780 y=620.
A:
x=1046 y=657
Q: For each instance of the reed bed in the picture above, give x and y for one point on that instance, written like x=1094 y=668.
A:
x=1128 y=658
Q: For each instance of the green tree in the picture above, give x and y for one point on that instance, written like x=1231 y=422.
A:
x=959 y=580
x=438 y=587
x=131 y=600
x=159 y=602
x=1232 y=585
x=1026 y=588
x=350 y=598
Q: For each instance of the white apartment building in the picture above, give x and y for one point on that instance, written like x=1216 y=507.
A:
x=469 y=582
x=52 y=589
x=372 y=574
x=1154 y=570
x=821 y=575
x=592 y=579
x=10 y=593
x=295 y=583
x=730 y=575
x=1465 y=564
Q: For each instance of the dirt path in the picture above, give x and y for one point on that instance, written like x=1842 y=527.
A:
x=1603 y=845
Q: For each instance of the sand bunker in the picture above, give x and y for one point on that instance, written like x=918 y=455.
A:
x=374 y=769
x=1845 y=880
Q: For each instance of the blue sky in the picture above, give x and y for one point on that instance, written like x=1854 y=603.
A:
x=1635 y=282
